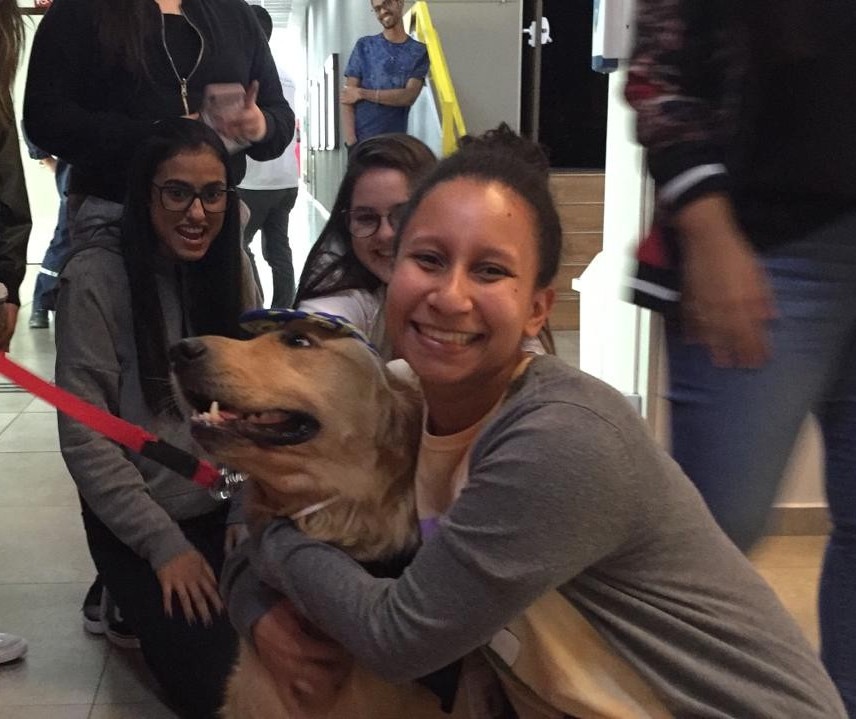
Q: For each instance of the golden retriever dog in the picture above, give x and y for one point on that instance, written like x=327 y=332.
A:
x=312 y=415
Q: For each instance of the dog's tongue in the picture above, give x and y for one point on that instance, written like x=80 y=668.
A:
x=269 y=417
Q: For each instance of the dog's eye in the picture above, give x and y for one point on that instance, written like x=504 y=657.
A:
x=295 y=339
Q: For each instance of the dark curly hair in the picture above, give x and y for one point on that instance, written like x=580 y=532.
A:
x=503 y=156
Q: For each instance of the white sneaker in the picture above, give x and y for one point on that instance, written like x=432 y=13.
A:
x=11 y=647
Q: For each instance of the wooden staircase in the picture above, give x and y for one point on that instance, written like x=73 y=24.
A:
x=579 y=200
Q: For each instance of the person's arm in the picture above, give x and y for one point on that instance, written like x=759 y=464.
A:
x=677 y=75
x=726 y=301
x=61 y=64
x=538 y=510
x=397 y=97
x=35 y=153
x=675 y=84
x=15 y=225
x=346 y=102
x=354 y=72
x=278 y=115
x=87 y=365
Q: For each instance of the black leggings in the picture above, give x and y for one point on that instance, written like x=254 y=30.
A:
x=190 y=661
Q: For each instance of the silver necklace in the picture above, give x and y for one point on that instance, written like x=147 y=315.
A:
x=182 y=81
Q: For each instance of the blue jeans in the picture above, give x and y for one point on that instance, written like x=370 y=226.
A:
x=44 y=296
x=733 y=429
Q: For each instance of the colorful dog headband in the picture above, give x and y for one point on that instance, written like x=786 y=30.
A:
x=258 y=322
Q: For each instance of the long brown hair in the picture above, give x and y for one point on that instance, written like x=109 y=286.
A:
x=123 y=28
x=11 y=45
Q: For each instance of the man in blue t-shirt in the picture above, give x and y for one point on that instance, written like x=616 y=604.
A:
x=384 y=76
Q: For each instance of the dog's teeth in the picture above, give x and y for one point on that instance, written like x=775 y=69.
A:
x=214 y=411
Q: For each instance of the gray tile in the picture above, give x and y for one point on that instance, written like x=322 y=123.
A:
x=62 y=711
x=43 y=544
x=6 y=418
x=131 y=711
x=55 y=671
x=36 y=479
x=46 y=612
x=14 y=401
x=39 y=405
x=33 y=432
x=34 y=349
x=126 y=680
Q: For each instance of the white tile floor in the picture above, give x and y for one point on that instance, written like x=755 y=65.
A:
x=45 y=567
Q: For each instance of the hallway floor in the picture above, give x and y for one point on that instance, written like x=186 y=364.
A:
x=45 y=566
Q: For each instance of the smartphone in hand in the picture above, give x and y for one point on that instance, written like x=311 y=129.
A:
x=220 y=105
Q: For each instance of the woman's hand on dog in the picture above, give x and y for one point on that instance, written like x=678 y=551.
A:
x=308 y=666
x=190 y=578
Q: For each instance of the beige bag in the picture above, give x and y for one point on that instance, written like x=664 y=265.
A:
x=552 y=663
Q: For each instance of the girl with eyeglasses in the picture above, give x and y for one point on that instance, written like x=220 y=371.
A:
x=349 y=265
x=170 y=269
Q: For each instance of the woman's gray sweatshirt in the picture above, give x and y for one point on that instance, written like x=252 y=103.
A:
x=96 y=359
x=566 y=490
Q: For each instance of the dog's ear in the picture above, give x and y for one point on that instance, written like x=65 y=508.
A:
x=403 y=425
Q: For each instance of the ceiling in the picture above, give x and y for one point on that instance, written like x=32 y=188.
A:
x=282 y=12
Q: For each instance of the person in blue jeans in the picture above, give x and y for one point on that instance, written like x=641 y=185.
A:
x=384 y=76
x=44 y=294
x=753 y=259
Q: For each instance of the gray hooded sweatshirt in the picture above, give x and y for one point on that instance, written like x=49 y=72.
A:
x=139 y=500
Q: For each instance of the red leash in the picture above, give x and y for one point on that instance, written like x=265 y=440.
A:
x=112 y=427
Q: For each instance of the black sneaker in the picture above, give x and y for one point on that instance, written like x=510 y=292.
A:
x=93 y=616
x=119 y=632
x=39 y=320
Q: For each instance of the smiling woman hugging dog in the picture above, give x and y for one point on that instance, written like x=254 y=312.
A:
x=536 y=486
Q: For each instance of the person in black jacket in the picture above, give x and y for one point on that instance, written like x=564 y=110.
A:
x=102 y=72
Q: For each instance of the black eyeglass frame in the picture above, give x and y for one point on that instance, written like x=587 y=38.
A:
x=393 y=217
x=193 y=197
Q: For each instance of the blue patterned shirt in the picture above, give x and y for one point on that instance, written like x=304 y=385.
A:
x=383 y=65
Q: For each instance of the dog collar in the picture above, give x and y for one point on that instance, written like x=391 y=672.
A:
x=270 y=320
x=313 y=508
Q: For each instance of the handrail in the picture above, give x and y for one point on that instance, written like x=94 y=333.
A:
x=451 y=119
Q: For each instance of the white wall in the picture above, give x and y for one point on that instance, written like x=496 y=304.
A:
x=612 y=342
x=482 y=42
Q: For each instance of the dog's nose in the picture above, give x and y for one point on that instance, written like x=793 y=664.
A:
x=187 y=351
